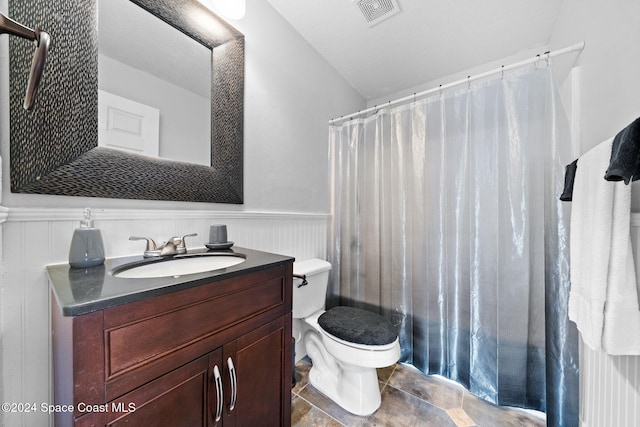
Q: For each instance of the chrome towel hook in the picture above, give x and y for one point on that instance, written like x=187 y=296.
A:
x=42 y=41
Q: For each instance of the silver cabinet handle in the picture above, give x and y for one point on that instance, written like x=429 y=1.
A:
x=219 y=394
x=234 y=384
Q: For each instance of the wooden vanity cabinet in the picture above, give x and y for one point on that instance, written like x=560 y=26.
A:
x=218 y=354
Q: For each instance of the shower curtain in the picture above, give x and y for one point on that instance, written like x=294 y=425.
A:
x=447 y=222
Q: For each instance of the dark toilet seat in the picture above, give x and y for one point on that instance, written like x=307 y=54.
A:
x=357 y=326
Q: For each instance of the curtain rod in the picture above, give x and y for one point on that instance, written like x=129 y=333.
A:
x=545 y=56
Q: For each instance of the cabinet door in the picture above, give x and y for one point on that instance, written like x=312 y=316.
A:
x=256 y=367
x=178 y=398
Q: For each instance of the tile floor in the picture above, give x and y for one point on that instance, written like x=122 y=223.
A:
x=409 y=398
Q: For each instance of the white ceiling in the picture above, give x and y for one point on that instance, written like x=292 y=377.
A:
x=427 y=40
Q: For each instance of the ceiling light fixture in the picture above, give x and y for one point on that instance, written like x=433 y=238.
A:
x=231 y=9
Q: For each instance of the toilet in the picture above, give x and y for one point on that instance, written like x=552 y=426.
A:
x=345 y=344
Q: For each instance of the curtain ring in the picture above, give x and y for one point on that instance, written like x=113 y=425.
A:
x=440 y=87
x=548 y=53
x=468 y=82
x=502 y=73
x=535 y=63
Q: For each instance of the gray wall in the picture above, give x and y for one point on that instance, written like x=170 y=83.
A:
x=609 y=84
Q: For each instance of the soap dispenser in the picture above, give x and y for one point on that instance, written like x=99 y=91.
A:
x=87 y=249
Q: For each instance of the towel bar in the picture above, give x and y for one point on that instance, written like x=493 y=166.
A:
x=42 y=39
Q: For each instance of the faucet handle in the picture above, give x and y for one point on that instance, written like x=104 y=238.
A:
x=151 y=245
x=151 y=248
x=181 y=243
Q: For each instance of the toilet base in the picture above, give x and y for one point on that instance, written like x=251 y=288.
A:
x=355 y=390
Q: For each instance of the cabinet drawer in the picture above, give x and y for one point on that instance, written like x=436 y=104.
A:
x=136 y=343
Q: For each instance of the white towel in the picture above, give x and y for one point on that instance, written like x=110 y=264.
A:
x=603 y=301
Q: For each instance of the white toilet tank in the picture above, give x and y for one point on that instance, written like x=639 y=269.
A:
x=311 y=297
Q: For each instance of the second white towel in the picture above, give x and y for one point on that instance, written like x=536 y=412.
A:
x=603 y=301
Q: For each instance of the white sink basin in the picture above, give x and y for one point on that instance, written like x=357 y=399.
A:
x=178 y=266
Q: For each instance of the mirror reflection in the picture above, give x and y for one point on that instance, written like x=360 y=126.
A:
x=154 y=86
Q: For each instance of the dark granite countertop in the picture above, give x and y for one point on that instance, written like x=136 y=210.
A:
x=83 y=290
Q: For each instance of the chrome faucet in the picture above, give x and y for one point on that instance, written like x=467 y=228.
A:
x=174 y=246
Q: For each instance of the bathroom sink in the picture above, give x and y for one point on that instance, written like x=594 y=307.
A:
x=178 y=266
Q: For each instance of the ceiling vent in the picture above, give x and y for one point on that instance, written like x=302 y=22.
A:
x=376 y=11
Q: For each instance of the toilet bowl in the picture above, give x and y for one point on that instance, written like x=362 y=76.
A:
x=345 y=344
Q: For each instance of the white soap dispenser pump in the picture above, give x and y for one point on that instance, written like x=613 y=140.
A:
x=87 y=249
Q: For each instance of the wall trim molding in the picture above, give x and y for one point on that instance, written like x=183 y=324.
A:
x=9 y=214
x=4 y=212
x=20 y=214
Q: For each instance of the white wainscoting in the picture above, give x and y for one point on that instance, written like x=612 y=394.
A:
x=610 y=385
x=33 y=238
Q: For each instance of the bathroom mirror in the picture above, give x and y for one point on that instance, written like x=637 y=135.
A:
x=54 y=148
x=153 y=98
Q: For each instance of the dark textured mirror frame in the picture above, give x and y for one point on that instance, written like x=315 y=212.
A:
x=54 y=148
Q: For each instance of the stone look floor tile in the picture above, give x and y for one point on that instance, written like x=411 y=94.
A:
x=303 y=414
x=486 y=414
x=301 y=374
x=439 y=392
x=319 y=400
x=460 y=417
x=395 y=411
x=409 y=398
x=385 y=373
